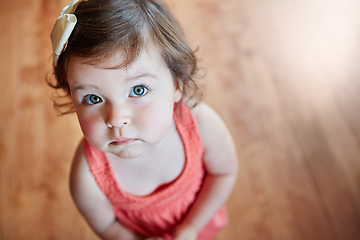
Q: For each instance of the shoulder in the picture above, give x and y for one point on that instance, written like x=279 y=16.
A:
x=79 y=172
x=220 y=153
x=210 y=124
x=88 y=197
x=206 y=116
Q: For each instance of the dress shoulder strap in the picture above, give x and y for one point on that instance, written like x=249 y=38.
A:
x=95 y=158
x=183 y=115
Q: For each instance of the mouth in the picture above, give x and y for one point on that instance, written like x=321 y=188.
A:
x=122 y=141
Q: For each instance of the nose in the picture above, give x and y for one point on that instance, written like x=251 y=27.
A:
x=117 y=116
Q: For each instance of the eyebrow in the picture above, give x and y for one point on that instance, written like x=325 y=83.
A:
x=141 y=75
x=82 y=87
x=129 y=79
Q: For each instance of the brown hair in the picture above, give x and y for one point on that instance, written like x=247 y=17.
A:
x=107 y=26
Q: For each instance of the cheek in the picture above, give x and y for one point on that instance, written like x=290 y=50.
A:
x=156 y=118
x=90 y=127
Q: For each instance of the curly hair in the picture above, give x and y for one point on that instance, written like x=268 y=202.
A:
x=105 y=27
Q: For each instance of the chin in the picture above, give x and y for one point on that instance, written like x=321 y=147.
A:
x=128 y=153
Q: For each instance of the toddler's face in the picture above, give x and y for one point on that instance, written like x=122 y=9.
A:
x=123 y=111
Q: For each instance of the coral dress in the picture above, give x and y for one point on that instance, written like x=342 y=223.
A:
x=157 y=214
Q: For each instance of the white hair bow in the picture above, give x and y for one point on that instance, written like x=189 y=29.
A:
x=62 y=30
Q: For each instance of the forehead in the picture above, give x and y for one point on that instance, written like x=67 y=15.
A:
x=122 y=59
x=149 y=61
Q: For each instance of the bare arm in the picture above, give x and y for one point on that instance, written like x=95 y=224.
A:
x=93 y=204
x=116 y=232
x=221 y=166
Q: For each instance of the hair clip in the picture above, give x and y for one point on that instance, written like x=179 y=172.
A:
x=63 y=28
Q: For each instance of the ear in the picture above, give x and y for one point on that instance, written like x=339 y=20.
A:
x=177 y=95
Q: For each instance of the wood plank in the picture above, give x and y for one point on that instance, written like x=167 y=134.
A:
x=283 y=74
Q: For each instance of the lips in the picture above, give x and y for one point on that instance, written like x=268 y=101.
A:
x=122 y=141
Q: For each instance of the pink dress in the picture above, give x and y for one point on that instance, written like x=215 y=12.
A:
x=157 y=214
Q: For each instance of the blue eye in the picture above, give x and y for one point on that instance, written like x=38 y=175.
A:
x=92 y=99
x=138 y=91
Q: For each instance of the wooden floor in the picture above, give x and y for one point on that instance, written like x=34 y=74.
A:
x=285 y=76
